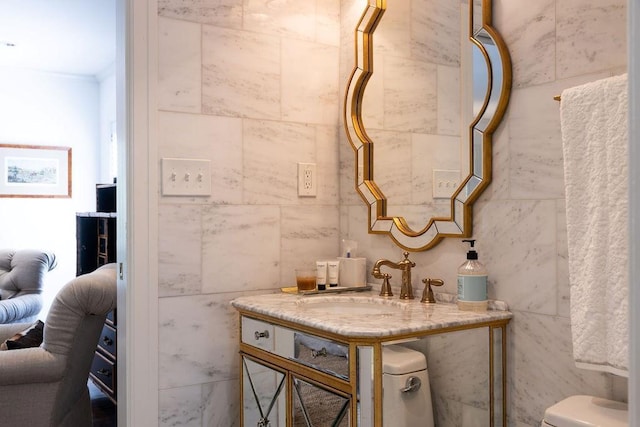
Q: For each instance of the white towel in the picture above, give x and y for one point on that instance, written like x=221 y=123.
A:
x=595 y=147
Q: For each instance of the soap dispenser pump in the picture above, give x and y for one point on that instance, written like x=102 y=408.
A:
x=472 y=282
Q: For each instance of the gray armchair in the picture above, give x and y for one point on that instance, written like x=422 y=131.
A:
x=47 y=385
x=22 y=275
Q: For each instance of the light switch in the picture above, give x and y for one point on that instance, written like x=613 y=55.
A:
x=186 y=177
x=445 y=182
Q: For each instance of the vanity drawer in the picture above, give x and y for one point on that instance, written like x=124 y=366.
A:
x=108 y=340
x=257 y=333
x=104 y=371
x=328 y=356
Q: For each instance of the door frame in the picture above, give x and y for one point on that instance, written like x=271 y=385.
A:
x=136 y=82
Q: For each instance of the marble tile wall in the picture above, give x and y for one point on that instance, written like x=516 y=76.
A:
x=255 y=86
x=251 y=85
x=520 y=219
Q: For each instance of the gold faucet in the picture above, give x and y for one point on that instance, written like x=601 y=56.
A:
x=406 y=290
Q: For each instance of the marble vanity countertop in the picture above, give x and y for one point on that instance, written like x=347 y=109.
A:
x=366 y=314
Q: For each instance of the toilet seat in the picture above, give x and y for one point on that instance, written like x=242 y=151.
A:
x=586 y=411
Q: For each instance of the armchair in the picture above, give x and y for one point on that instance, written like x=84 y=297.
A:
x=47 y=385
x=22 y=275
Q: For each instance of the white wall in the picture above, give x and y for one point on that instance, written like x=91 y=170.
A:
x=50 y=109
x=107 y=81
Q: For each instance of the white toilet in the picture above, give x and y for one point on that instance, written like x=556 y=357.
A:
x=586 y=411
x=406 y=390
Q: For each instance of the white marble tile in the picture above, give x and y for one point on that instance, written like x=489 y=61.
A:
x=429 y=152
x=448 y=106
x=529 y=31
x=328 y=22
x=392 y=154
x=517 y=244
x=435 y=31
x=410 y=95
x=541 y=367
x=224 y=13
x=392 y=36
x=458 y=368
x=240 y=73
x=221 y=404
x=590 y=36
x=181 y=407
x=179 y=62
x=198 y=340
x=286 y=18
x=179 y=250
x=535 y=140
x=447 y=413
x=240 y=248
x=500 y=184
x=309 y=234
x=218 y=139
x=328 y=139
x=309 y=82
x=272 y=151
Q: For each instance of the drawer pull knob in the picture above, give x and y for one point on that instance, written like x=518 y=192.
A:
x=317 y=353
x=259 y=335
x=105 y=372
x=106 y=340
x=412 y=384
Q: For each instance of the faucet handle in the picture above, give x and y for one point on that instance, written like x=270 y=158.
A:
x=385 y=291
x=427 y=293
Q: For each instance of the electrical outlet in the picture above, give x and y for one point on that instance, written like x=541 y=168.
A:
x=186 y=177
x=445 y=182
x=307 y=180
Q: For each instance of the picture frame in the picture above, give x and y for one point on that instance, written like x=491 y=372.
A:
x=35 y=171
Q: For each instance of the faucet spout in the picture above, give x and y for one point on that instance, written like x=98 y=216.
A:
x=406 y=289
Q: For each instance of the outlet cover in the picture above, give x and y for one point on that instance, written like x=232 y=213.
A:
x=307 y=180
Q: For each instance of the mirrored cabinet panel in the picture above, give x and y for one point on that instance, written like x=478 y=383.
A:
x=316 y=406
x=263 y=395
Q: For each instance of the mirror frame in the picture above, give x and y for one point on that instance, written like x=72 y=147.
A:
x=459 y=223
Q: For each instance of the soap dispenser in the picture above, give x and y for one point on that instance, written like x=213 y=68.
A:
x=472 y=282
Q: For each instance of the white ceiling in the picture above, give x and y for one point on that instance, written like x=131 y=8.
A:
x=62 y=36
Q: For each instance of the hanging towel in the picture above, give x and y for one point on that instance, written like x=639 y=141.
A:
x=595 y=148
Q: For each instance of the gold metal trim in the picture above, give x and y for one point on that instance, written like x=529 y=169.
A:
x=557 y=98
x=349 y=387
x=378 y=220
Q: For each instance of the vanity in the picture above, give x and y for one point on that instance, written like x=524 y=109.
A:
x=317 y=360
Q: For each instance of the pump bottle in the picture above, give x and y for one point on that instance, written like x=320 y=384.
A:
x=472 y=282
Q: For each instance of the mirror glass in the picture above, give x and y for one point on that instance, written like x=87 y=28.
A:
x=430 y=84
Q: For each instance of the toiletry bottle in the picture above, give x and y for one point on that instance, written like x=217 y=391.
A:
x=472 y=283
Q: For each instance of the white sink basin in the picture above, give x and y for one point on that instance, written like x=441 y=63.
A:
x=344 y=305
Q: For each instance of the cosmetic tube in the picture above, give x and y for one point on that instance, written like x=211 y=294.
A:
x=334 y=270
x=321 y=275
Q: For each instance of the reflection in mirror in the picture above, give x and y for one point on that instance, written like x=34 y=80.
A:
x=316 y=406
x=440 y=87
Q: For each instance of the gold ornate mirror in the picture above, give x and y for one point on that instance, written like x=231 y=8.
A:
x=440 y=88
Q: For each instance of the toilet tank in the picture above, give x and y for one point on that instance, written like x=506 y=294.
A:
x=405 y=404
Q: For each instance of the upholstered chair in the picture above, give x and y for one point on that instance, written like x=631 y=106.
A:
x=47 y=385
x=22 y=274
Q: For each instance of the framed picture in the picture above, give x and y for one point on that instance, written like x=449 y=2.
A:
x=35 y=171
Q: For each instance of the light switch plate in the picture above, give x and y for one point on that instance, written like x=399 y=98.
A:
x=445 y=182
x=186 y=177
